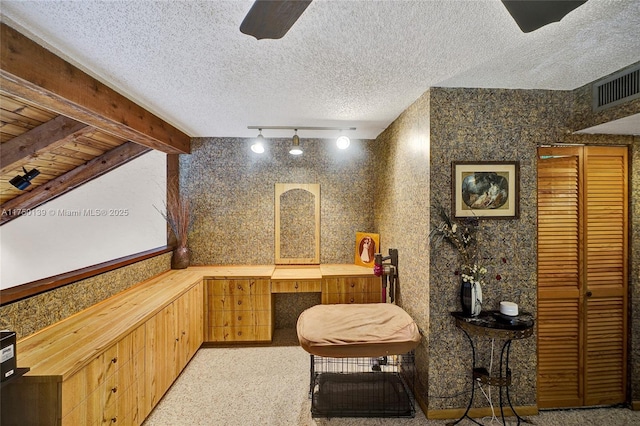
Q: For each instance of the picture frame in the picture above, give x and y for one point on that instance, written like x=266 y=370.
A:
x=486 y=189
x=367 y=244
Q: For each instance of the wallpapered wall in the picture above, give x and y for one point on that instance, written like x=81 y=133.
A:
x=232 y=193
x=402 y=215
x=488 y=125
x=477 y=125
x=27 y=316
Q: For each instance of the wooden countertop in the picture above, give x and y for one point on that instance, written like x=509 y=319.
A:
x=296 y=273
x=344 y=270
x=234 y=271
x=283 y=272
x=62 y=349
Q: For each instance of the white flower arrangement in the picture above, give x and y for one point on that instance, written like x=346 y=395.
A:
x=474 y=274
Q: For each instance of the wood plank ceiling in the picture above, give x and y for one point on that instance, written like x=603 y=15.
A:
x=94 y=130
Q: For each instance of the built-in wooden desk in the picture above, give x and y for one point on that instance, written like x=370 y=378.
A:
x=114 y=361
x=239 y=299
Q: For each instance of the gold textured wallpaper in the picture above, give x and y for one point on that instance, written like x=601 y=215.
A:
x=29 y=315
x=415 y=154
x=232 y=193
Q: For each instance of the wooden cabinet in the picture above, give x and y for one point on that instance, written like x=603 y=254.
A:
x=351 y=290
x=173 y=336
x=110 y=389
x=111 y=363
x=238 y=310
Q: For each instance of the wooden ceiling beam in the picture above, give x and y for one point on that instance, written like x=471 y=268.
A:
x=70 y=180
x=30 y=72
x=50 y=135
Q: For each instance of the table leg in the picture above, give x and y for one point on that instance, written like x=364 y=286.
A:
x=508 y=372
x=312 y=378
x=473 y=384
x=507 y=347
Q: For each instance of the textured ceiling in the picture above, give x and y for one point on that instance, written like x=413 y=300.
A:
x=343 y=63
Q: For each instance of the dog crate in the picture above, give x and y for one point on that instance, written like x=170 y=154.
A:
x=363 y=387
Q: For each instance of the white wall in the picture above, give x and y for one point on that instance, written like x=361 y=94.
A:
x=110 y=217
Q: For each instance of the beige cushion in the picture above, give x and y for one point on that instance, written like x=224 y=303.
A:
x=357 y=330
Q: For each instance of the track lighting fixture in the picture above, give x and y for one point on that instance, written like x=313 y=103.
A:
x=22 y=182
x=343 y=142
x=258 y=145
x=295 y=145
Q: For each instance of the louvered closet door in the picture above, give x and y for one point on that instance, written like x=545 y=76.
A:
x=606 y=274
x=582 y=270
x=559 y=278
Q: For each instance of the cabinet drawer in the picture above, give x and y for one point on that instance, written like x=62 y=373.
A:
x=83 y=383
x=240 y=318
x=351 y=285
x=120 y=382
x=229 y=318
x=239 y=303
x=88 y=412
x=130 y=345
x=240 y=334
x=87 y=385
x=296 y=286
x=122 y=407
x=348 y=298
x=237 y=287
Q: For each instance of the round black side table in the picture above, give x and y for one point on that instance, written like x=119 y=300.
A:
x=493 y=324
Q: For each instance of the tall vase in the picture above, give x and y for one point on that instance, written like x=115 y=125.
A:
x=181 y=258
x=471 y=298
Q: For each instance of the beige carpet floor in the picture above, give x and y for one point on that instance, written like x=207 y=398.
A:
x=269 y=385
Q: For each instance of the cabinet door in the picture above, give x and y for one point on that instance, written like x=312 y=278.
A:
x=189 y=325
x=606 y=234
x=582 y=276
x=160 y=359
x=196 y=320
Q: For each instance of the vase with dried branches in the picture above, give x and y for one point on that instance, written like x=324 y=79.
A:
x=178 y=215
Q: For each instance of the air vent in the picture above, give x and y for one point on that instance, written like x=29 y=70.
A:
x=617 y=88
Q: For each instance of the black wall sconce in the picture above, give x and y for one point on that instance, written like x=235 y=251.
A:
x=22 y=182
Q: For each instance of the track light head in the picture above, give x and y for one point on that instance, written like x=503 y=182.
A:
x=295 y=146
x=343 y=142
x=22 y=182
x=258 y=145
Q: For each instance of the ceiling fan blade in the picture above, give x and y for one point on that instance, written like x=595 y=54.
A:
x=533 y=14
x=272 y=18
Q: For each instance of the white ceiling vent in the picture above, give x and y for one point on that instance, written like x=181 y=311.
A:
x=617 y=88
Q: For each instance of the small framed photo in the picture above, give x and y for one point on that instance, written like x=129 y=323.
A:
x=367 y=245
x=485 y=189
